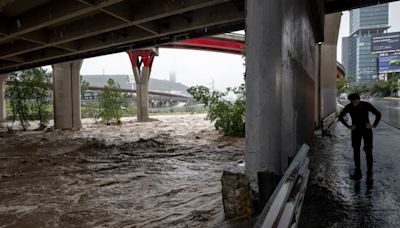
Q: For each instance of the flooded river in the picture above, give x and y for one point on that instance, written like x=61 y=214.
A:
x=158 y=174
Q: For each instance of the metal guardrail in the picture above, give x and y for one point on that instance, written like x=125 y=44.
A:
x=96 y=88
x=339 y=107
x=327 y=123
x=284 y=206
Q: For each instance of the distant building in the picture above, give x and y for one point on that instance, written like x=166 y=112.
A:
x=127 y=82
x=360 y=64
x=345 y=53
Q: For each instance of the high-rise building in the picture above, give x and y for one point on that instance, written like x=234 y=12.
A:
x=360 y=64
x=345 y=54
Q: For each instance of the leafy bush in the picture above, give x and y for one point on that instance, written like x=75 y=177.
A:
x=111 y=102
x=341 y=85
x=90 y=110
x=381 y=89
x=386 y=88
x=29 y=96
x=229 y=115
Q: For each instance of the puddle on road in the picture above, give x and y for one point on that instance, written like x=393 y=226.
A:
x=334 y=200
x=159 y=174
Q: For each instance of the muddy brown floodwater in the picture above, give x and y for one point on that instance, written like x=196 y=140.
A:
x=158 y=174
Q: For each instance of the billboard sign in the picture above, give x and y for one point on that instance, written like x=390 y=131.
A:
x=386 y=42
x=389 y=63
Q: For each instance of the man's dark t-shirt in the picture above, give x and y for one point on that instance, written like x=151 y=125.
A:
x=360 y=114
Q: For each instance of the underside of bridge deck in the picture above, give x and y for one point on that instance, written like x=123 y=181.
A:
x=41 y=32
x=38 y=32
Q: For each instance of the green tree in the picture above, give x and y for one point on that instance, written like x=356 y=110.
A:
x=360 y=89
x=341 y=85
x=385 y=88
x=28 y=96
x=381 y=89
x=18 y=95
x=39 y=80
x=111 y=102
x=84 y=87
x=228 y=115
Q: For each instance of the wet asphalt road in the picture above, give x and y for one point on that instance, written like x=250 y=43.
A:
x=334 y=200
x=390 y=110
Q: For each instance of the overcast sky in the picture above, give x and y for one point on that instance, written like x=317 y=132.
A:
x=199 y=67
x=190 y=67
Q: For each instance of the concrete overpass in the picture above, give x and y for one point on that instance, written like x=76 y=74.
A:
x=290 y=56
x=42 y=32
x=34 y=33
x=224 y=43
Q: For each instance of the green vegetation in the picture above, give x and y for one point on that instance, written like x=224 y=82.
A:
x=380 y=89
x=84 y=87
x=112 y=102
x=29 y=96
x=360 y=89
x=386 y=88
x=341 y=85
x=229 y=116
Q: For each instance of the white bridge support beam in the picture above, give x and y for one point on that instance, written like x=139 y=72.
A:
x=328 y=66
x=3 y=80
x=67 y=95
x=280 y=78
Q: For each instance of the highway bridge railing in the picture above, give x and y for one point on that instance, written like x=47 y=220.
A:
x=284 y=206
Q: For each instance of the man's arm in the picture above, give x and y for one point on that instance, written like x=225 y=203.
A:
x=377 y=114
x=342 y=114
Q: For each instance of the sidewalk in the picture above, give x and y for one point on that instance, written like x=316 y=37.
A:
x=334 y=200
x=392 y=98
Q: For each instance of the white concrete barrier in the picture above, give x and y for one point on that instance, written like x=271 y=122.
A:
x=284 y=206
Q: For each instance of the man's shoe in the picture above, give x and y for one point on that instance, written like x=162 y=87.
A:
x=356 y=176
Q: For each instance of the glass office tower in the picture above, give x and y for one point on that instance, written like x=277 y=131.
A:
x=364 y=22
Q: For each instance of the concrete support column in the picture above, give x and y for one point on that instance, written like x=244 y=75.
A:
x=142 y=61
x=3 y=80
x=263 y=87
x=67 y=95
x=142 y=95
x=280 y=81
x=328 y=65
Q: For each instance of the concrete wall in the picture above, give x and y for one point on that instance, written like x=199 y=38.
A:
x=280 y=71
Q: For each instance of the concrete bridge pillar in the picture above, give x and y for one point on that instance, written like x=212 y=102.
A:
x=263 y=87
x=66 y=93
x=142 y=61
x=3 y=80
x=328 y=65
x=280 y=77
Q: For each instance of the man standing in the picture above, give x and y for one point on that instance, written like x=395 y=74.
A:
x=361 y=128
